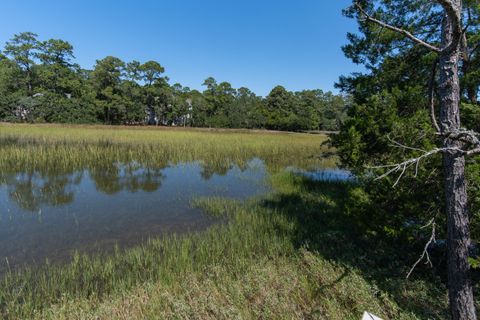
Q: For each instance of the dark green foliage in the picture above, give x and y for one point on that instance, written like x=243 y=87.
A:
x=279 y=106
x=389 y=122
x=368 y=139
x=40 y=83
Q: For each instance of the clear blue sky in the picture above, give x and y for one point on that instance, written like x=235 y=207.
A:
x=252 y=43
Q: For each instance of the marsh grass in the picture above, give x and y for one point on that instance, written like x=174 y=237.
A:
x=70 y=148
x=290 y=254
x=165 y=260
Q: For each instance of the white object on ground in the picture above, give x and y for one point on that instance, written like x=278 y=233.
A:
x=369 y=316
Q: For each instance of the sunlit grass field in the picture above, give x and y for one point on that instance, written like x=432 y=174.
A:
x=148 y=134
x=69 y=147
x=292 y=254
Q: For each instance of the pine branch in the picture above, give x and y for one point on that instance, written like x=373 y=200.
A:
x=425 y=250
x=450 y=10
x=401 y=31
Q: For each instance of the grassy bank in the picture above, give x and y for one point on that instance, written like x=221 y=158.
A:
x=291 y=254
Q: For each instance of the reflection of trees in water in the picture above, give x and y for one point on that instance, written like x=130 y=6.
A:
x=208 y=170
x=31 y=190
x=222 y=168
x=114 y=178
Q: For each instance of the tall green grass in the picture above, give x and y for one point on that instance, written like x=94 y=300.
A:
x=69 y=148
x=165 y=260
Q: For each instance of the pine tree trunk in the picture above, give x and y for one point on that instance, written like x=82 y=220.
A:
x=462 y=306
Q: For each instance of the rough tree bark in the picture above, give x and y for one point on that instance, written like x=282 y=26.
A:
x=462 y=305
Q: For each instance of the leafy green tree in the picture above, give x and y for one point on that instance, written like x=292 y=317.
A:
x=61 y=85
x=56 y=70
x=156 y=97
x=246 y=111
x=10 y=88
x=106 y=79
x=333 y=111
x=210 y=94
x=180 y=114
x=279 y=105
x=198 y=108
x=22 y=49
x=219 y=97
x=132 y=71
x=55 y=51
x=151 y=72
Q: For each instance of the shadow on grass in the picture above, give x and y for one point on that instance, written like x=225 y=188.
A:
x=317 y=209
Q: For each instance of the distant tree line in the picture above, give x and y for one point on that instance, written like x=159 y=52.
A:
x=40 y=82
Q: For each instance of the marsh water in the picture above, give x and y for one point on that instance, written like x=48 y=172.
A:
x=49 y=215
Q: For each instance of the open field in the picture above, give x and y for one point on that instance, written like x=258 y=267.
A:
x=293 y=253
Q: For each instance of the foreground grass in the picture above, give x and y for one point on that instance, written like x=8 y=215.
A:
x=267 y=289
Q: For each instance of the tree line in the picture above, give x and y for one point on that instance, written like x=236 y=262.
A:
x=40 y=82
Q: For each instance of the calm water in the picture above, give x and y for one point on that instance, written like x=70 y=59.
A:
x=51 y=215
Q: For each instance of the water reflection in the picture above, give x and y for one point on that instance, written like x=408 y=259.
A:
x=51 y=214
x=131 y=177
x=330 y=175
x=32 y=190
